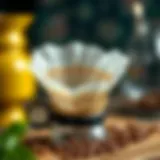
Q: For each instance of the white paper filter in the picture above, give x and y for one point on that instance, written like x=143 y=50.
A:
x=76 y=69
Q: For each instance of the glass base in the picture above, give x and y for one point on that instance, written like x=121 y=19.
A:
x=61 y=133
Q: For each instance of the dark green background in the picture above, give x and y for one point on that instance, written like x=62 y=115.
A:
x=108 y=23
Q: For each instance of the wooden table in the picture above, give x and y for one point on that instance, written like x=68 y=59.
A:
x=147 y=149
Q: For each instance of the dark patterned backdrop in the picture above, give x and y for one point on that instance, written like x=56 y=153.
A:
x=108 y=23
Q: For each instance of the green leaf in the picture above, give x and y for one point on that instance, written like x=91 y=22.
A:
x=12 y=136
x=11 y=147
x=19 y=153
x=25 y=153
x=18 y=129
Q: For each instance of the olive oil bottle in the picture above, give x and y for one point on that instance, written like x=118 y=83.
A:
x=17 y=85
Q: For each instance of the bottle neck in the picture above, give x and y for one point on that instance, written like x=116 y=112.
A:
x=12 y=31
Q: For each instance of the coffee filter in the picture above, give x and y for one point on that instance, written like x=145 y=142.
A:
x=78 y=77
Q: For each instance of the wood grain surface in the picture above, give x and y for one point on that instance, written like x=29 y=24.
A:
x=147 y=148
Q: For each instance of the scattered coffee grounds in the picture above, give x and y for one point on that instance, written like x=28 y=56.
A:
x=83 y=148
x=150 y=101
x=147 y=106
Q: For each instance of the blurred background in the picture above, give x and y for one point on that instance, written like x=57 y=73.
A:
x=133 y=26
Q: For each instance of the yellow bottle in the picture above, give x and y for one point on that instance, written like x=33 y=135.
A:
x=17 y=83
